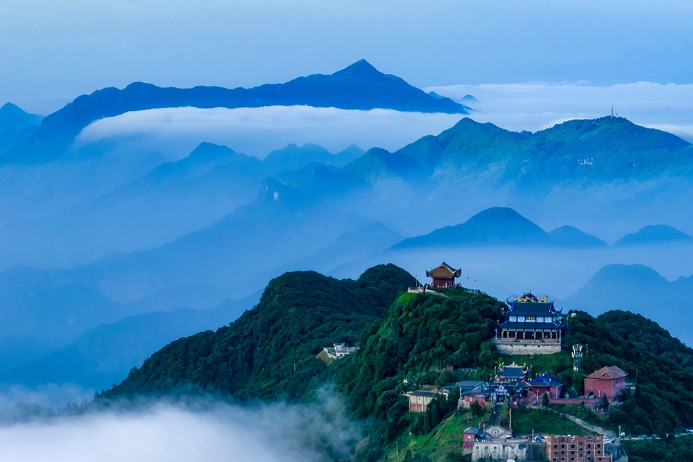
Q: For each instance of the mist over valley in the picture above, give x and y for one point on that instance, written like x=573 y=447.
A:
x=181 y=250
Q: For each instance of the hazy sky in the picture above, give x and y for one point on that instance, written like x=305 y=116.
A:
x=55 y=50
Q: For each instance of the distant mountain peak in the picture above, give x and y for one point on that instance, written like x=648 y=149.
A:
x=359 y=86
x=494 y=226
x=574 y=237
x=655 y=234
x=9 y=107
x=498 y=214
x=360 y=67
x=16 y=118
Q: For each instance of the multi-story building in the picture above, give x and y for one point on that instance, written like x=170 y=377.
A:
x=567 y=448
x=531 y=325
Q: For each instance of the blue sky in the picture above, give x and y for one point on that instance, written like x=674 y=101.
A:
x=55 y=50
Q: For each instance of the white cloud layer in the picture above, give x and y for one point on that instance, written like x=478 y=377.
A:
x=257 y=131
x=535 y=106
x=521 y=106
x=208 y=432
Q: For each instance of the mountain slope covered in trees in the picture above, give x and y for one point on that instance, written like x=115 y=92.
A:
x=269 y=352
x=272 y=351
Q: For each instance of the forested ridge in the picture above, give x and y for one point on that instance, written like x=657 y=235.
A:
x=269 y=352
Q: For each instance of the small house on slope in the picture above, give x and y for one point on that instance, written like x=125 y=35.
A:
x=549 y=384
x=608 y=381
x=420 y=399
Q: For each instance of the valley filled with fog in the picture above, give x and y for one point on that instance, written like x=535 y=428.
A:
x=122 y=233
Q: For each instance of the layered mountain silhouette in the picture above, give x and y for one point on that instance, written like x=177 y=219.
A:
x=500 y=226
x=570 y=236
x=16 y=118
x=640 y=289
x=134 y=232
x=655 y=235
x=15 y=125
x=359 y=86
x=103 y=355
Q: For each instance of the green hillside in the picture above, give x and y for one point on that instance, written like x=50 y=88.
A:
x=421 y=339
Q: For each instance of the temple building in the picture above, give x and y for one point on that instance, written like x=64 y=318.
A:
x=443 y=276
x=512 y=373
x=530 y=325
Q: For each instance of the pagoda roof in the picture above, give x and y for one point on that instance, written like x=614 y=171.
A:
x=444 y=271
x=532 y=309
x=512 y=370
x=529 y=297
x=474 y=430
x=607 y=373
x=546 y=380
x=469 y=384
x=530 y=325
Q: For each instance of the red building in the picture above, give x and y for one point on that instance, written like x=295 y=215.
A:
x=608 y=381
x=469 y=437
x=444 y=276
x=469 y=399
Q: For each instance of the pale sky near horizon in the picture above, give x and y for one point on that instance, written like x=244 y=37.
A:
x=53 y=51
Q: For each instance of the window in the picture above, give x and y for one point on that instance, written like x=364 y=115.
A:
x=530 y=318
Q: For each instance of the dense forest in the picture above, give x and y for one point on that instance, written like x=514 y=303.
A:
x=408 y=340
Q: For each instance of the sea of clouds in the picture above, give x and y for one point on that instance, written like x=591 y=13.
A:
x=201 y=429
x=519 y=106
x=258 y=131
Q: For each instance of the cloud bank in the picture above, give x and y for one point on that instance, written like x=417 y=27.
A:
x=257 y=131
x=536 y=106
x=205 y=431
x=519 y=106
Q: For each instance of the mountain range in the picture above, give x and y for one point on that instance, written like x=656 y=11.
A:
x=503 y=226
x=101 y=238
x=358 y=86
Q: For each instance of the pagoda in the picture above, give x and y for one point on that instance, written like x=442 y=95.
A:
x=443 y=276
x=530 y=325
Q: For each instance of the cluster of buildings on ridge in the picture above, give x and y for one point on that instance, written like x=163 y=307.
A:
x=530 y=325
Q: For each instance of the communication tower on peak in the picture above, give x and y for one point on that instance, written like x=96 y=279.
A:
x=577 y=357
